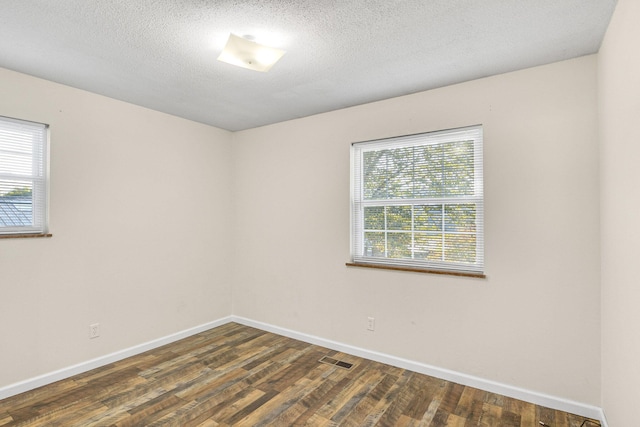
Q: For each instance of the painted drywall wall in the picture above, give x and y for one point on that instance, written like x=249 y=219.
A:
x=139 y=216
x=619 y=110
x=532 y=323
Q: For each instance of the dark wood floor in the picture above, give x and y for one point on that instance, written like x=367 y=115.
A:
x=237 y=375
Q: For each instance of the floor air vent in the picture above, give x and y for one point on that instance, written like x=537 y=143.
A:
x=339 y=363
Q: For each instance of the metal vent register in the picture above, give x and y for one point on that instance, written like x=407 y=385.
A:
x=339 y=363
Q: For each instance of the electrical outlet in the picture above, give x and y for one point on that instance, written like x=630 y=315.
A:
x=371 y=324
x=94 y=330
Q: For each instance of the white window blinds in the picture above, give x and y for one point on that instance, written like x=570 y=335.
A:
x=23 y=176
x=417 y=201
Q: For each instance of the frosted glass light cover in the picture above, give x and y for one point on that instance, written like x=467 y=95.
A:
x=249 y=54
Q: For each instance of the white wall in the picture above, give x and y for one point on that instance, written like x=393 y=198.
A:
x=139 y=215
x=533 y=323
x=619 y=101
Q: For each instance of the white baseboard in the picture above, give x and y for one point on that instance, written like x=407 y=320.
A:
x=30 y=384
x=537 y=398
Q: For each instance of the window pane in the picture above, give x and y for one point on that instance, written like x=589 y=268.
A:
x=388 y=174
x=437 y=170
x=16 y=149
x=460 y=248
x=428 y=246
x=374 y=218
x=374 y=244
x=458 y=169
x=375 y=174
x=16 y=163
x=399 y=218
x=460 y=218
x=399 y=245
x=400 y=170
x=16 y=204
x=427 y=217
x=429 y=171
x=14 y=188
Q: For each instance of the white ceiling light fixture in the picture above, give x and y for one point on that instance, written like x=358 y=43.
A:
x=247 y=53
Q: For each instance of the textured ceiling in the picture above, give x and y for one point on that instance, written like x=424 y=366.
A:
x=161 y=54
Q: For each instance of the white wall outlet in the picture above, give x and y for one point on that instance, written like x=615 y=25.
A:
x=94 y=330
x=371 y=324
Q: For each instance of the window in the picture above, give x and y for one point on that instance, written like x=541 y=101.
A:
x=417 y=201
x=23 y=177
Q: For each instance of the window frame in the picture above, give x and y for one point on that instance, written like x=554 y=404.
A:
x=38 y=178
x=359 y=203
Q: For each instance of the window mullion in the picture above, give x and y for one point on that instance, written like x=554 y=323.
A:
x=386 y=234
x=442 y=225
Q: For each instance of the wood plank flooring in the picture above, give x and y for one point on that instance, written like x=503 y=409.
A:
x=235 y=375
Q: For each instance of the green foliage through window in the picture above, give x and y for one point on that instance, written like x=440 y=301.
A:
x=18 y=192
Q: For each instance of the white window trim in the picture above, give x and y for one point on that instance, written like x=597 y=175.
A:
x=358 y=202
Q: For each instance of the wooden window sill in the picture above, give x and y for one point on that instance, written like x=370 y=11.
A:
x=417 y=270
x=24 y=236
